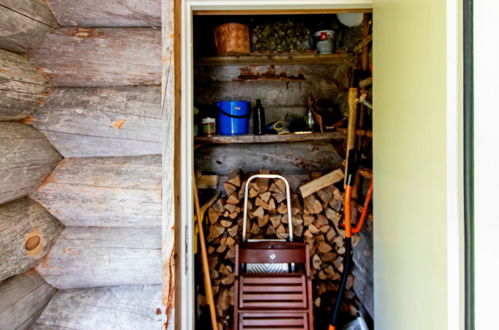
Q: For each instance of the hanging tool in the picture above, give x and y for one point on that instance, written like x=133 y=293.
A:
x=350 y=176
x=204 y=258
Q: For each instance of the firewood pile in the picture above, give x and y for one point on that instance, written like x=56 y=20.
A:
x=317 y=210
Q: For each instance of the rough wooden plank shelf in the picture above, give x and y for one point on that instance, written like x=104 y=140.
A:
x=270 y=138
x=276 y=59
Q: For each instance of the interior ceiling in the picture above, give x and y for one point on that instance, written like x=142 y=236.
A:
x=109 y=13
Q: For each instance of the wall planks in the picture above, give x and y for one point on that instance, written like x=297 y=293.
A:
x=102 y=122
x=97 y=57
x=24 y=24
x=109 y=192
x=23 y=299
x=27 y=158
x=85 y=257
x=121 y=307
x=110 y=13
x=28 y=233
x=22 y=87
x=286 y=158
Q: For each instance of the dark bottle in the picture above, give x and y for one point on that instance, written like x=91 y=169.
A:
x=258 y=118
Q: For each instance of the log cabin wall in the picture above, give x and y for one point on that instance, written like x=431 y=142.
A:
x=80 y=80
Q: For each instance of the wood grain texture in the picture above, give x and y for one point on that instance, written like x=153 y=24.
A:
x=291 y=158
x=22 y=222
x=27 y=158
x=84 y=257
x=102 y=122
x=22 y=300
x=24 y=24
x=170 y=114
x=269 y=138
x=109 y=13
x=22 y=87
x=109 y=192
x=121 y=307
x=97 y=57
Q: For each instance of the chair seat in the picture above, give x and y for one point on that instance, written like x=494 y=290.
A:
x=272 y=291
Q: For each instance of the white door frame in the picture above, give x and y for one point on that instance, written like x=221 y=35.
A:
x=185 y=260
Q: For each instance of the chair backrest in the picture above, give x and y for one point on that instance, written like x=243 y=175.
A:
x=272 y=252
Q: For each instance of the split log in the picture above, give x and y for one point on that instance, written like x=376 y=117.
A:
x=97 y=57
x=111 y=13
x=22 y=87
x=295 y=158
x=322 y=182
x=23 y=298
x=28 y=232
x=109 y=192
x=27 y=158
x=102 y=122
x=85 y=257
x=24 y=24
x=121 y=307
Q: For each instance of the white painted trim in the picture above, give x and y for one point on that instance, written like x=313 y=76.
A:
x=185 y=232
x=455 y=162
x=278 y=4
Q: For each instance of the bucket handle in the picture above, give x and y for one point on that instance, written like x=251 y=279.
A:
x=236 y=116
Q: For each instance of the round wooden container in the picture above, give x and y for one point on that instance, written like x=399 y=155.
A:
x=232 y=39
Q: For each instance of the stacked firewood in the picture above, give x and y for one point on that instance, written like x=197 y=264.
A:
x=316 y=220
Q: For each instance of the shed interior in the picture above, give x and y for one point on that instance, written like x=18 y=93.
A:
x=289 y=80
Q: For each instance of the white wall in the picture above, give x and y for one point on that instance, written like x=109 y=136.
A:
x=486 y=160
x=417 y=206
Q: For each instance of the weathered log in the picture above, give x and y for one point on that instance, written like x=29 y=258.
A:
x=295 y=158
x=24 y=24
x=27 y=158
x=85 y=257
x=121 y=307
x=109 y=192
x=28 y=232
x=22 y=87
x=102 y=122
x=23 y=298
x=109 y=13
x=97 y=57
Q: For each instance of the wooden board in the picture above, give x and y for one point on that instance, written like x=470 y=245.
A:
x=27 y=158
x=170 y=149
x=293 y=158
x=269 y=138
x=22 y=87
x=95 y=57
x=23 y=298
x=276 y=58
x=24 y=24
x=85 y=257
x=109 y=13
x=102 y=122
x=28 y=233
x=110 y=192
x=121 y=307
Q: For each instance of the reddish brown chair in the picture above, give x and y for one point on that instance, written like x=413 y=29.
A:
x=269 y=300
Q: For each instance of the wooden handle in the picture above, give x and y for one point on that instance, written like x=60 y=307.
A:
x=204 y=258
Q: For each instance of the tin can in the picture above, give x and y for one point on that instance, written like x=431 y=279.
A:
x=209 y=126
x=324 y=41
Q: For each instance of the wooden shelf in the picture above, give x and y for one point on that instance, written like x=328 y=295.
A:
x=285 y=138
x=276 y=59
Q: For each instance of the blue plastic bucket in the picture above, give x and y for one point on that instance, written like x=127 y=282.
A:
x=233 y=117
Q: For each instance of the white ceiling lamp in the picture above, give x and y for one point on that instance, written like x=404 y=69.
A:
x=351 y=19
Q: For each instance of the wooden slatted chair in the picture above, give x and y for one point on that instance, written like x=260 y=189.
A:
x=273 y=300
